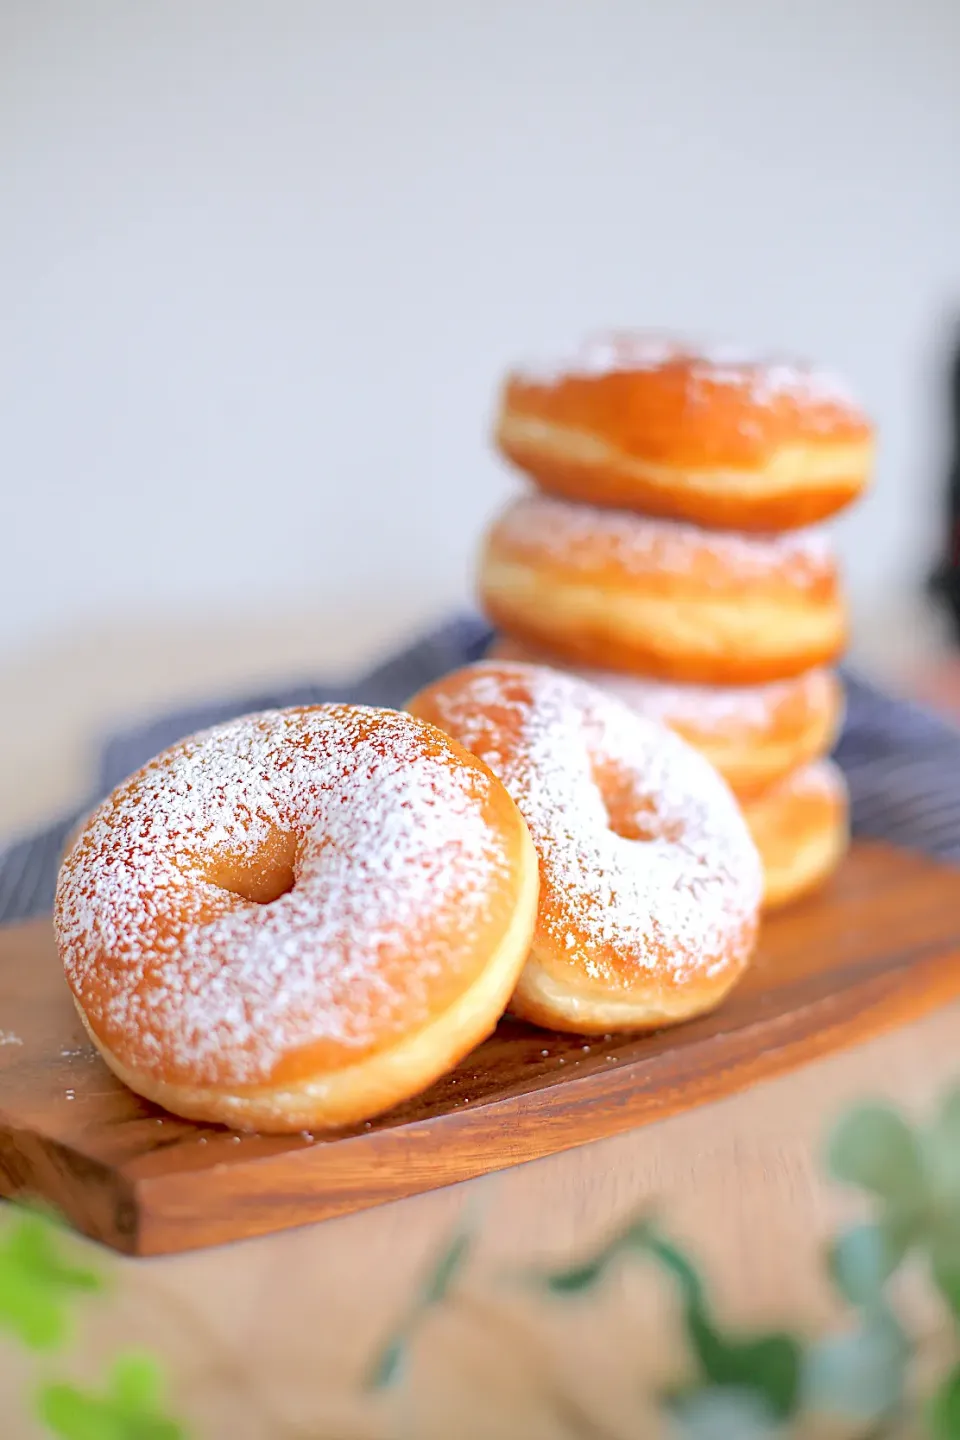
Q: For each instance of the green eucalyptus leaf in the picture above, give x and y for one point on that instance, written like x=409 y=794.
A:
x=446 y=1270
x=388 y=1365
x=860 y=1375
x=584 y=1276
x=577 y=1278
x=389 y=1361
x=941 y=1147
x=767 y=1365
x=861 y=1261
x=948 y=1113
x=677 y=1264
x=944 y=1251
x=943 y=1412
x=903 y=1223
x=711 y=1413
x=946 y=1124
x=874 y=1148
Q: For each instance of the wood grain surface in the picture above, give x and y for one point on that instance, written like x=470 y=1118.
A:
x=879 y=946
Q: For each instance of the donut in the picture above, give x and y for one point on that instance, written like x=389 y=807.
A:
x=801 y=829
x=299 y=919
x=720 y=438
x=649 y=881
x=625 y=592
x=753 y=734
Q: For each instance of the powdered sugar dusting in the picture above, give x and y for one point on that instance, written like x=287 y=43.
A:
x=683 y=891
x=767 y=379
x=710 y=708
x=603 y=354
x=822 y=778
x=587 y=538
x=392 y=853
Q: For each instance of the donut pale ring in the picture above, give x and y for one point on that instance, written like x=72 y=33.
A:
x=718 y=439
x=801 y=828
x=753 y=734
x=649 y=882
x=298 y=919
x=621 y=592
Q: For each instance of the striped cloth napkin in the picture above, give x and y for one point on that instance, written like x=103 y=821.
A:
x=901 y=763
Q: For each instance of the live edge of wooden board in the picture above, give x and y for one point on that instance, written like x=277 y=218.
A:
x=879 y=946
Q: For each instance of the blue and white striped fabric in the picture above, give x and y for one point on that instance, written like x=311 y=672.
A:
x=902 y=764
x=903 y=768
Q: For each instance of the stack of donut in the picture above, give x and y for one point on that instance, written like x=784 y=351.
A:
x=304 y=917
x=668 y=552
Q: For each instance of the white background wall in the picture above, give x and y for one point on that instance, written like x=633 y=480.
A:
x=262 y=263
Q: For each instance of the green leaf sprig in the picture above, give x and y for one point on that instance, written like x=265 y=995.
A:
x=390 y=1360
x=912 y=1179
x=130 y=1408
x=38 y=1282
x=745 y=1385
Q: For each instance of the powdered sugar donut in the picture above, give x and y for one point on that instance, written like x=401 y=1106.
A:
x=649 y=881
x=801 y=827
x=617 y=591
x=718 y=437
x=298 y=919
x=755 y=735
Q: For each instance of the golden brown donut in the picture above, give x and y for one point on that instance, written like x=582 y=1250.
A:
x=801 y=828
x=715 y=437
x=298 y=919
x=649 y=881
x=753 y=734
x=617 y=591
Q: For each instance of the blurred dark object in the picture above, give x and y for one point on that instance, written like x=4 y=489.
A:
x=945 y=580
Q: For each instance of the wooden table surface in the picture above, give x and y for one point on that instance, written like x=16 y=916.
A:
x=269 y=1337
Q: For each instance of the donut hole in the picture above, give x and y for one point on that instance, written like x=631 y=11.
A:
x=631 y=814
x=263 y=877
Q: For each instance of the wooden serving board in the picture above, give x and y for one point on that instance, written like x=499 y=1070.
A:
x=878 y=947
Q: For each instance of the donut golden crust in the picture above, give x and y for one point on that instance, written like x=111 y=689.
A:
x=801 y=828
x=299 y=919
x=617 y=591
x=649 y=882
x=753 y=734
x=718 y=439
